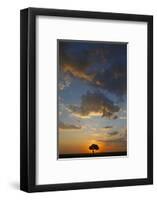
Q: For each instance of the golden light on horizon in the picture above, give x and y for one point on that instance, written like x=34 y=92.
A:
x=80 y=143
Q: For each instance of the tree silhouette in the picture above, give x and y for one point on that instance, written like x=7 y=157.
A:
x=93 y=147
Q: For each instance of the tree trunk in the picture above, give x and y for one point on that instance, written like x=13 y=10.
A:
x=93 y=151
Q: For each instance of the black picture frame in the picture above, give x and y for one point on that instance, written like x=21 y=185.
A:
x=28 y=99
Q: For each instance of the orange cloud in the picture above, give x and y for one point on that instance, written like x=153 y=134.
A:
x=80 y=73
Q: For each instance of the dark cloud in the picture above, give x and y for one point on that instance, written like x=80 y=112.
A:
x=107 y=127
x=81 y=55
x=113 y=133
x=113 y=80
x=69 y=126
x=102 y=66
x=94 y=104
x=72 y=62
x=77 y=62
x=117 y=137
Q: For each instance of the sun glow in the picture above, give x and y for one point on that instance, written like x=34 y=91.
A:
x=100 y=145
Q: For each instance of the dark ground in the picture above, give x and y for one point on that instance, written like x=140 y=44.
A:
x=92 y=155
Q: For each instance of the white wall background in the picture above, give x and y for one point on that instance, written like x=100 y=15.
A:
x=10 y=103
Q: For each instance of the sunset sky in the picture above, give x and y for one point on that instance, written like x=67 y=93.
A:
x=92 y=96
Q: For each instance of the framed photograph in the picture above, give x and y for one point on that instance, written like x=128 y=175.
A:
x=86 y=99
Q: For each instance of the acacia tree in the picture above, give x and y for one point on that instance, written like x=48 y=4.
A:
x=93 y=147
